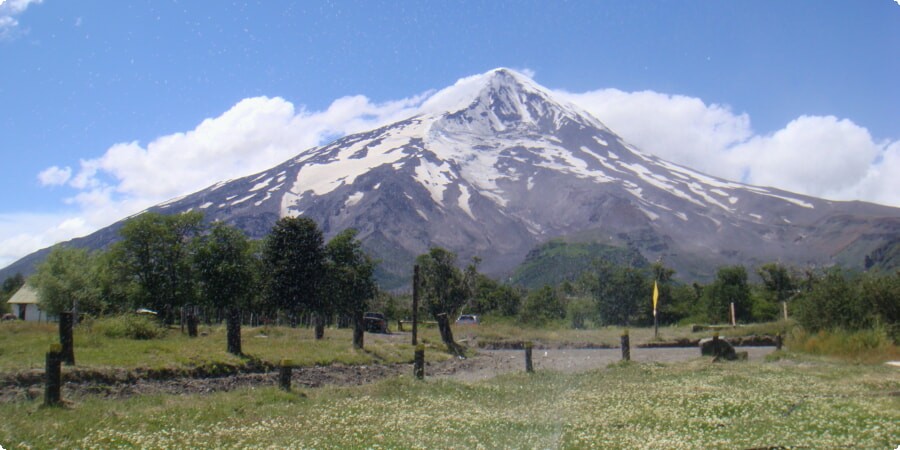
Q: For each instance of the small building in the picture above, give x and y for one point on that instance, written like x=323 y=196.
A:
x=26 y=306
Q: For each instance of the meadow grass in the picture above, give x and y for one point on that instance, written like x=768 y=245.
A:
x=698 y=404
x=23 y=346
x=861 y=346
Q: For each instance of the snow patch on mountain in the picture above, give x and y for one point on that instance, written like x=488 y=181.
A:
x=463 y=201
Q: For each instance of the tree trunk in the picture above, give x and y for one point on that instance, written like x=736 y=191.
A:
x=320 y=326
x=358 y=329
x=447 y=334
x=233 y=327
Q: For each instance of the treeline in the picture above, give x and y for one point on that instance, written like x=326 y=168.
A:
x=175 y=263
x=609 y=294
x=172 y=263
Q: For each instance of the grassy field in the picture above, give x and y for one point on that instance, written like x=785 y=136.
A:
x=796 y=401
x=23 y=345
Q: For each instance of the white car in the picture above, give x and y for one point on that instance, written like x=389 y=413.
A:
x=467 y=319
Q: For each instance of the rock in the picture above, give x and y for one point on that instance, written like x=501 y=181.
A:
x=718 y=348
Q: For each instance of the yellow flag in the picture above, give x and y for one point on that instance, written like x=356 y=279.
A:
x=655 y=297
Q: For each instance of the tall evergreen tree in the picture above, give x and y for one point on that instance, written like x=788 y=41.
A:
x=294 y=264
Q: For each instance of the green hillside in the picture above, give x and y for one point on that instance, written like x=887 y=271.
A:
x=557 y=260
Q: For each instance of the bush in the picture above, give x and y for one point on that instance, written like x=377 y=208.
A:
x=130 y=326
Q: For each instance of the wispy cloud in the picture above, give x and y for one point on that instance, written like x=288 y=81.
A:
x=9 y=10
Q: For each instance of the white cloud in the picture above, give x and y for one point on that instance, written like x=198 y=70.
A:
x=9 y=9
x=253 y=135
x=54 y=176
x=822 y=156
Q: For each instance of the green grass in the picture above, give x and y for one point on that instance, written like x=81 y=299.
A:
x=23 y=346
x=692 y=405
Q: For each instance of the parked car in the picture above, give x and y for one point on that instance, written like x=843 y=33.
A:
x=467 y=319
x=375 y=322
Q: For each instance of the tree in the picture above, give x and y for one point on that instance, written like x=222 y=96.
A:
x=294 y=263
x=8 y=289
x=155 y=254
x=542 y=305
x=491 y=296
x=445 y=289
x=882 y=294
x=224 y=269
x=66 y=281
x=729 y=287
x=350 y=280
x=618 y=292
x=777 y=286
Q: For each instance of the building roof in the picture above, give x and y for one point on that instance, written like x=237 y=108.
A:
x=25 y=295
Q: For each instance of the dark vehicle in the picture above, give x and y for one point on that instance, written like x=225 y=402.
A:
x=374 y=322
x=467 y=319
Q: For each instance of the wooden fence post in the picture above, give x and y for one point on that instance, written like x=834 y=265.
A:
x=53 y=376
x=779 y=341
x=65 y=338
x=415 y=305
x=284 y=374
x=529 y=367
x=419 y=362
x=626 y=347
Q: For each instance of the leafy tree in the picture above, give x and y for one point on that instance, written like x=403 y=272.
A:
x=491 y=296
x=224 y=269
x=8 y=289
x=445 y=289
x=542 y=305
x=882 y=294
x=579 y=310
x=294 y=264
x=730 y=286
x=66 y=281
x=778 y=286
x=619 y=292
x=155 y=256
x=350 y=281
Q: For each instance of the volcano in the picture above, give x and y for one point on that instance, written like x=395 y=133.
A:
x=495 y=165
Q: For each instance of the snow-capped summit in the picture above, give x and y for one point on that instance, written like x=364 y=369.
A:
x=495 y=165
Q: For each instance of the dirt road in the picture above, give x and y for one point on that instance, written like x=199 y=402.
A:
x=490 y=363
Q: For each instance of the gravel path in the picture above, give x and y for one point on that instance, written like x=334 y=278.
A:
x=490 y=363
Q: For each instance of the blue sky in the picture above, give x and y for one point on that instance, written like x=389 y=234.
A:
x=100 y=100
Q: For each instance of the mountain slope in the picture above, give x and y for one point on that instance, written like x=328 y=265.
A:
x=494 y=166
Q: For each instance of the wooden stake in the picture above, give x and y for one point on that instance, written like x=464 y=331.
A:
x=415 y=305
x=65 y=338
x=733 y=321
x=284 y=374
x=419 y=362
x=626 y=347
x=529 y=367
x=53 y=376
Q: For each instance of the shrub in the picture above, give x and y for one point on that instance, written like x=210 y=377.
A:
x=130 y=326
